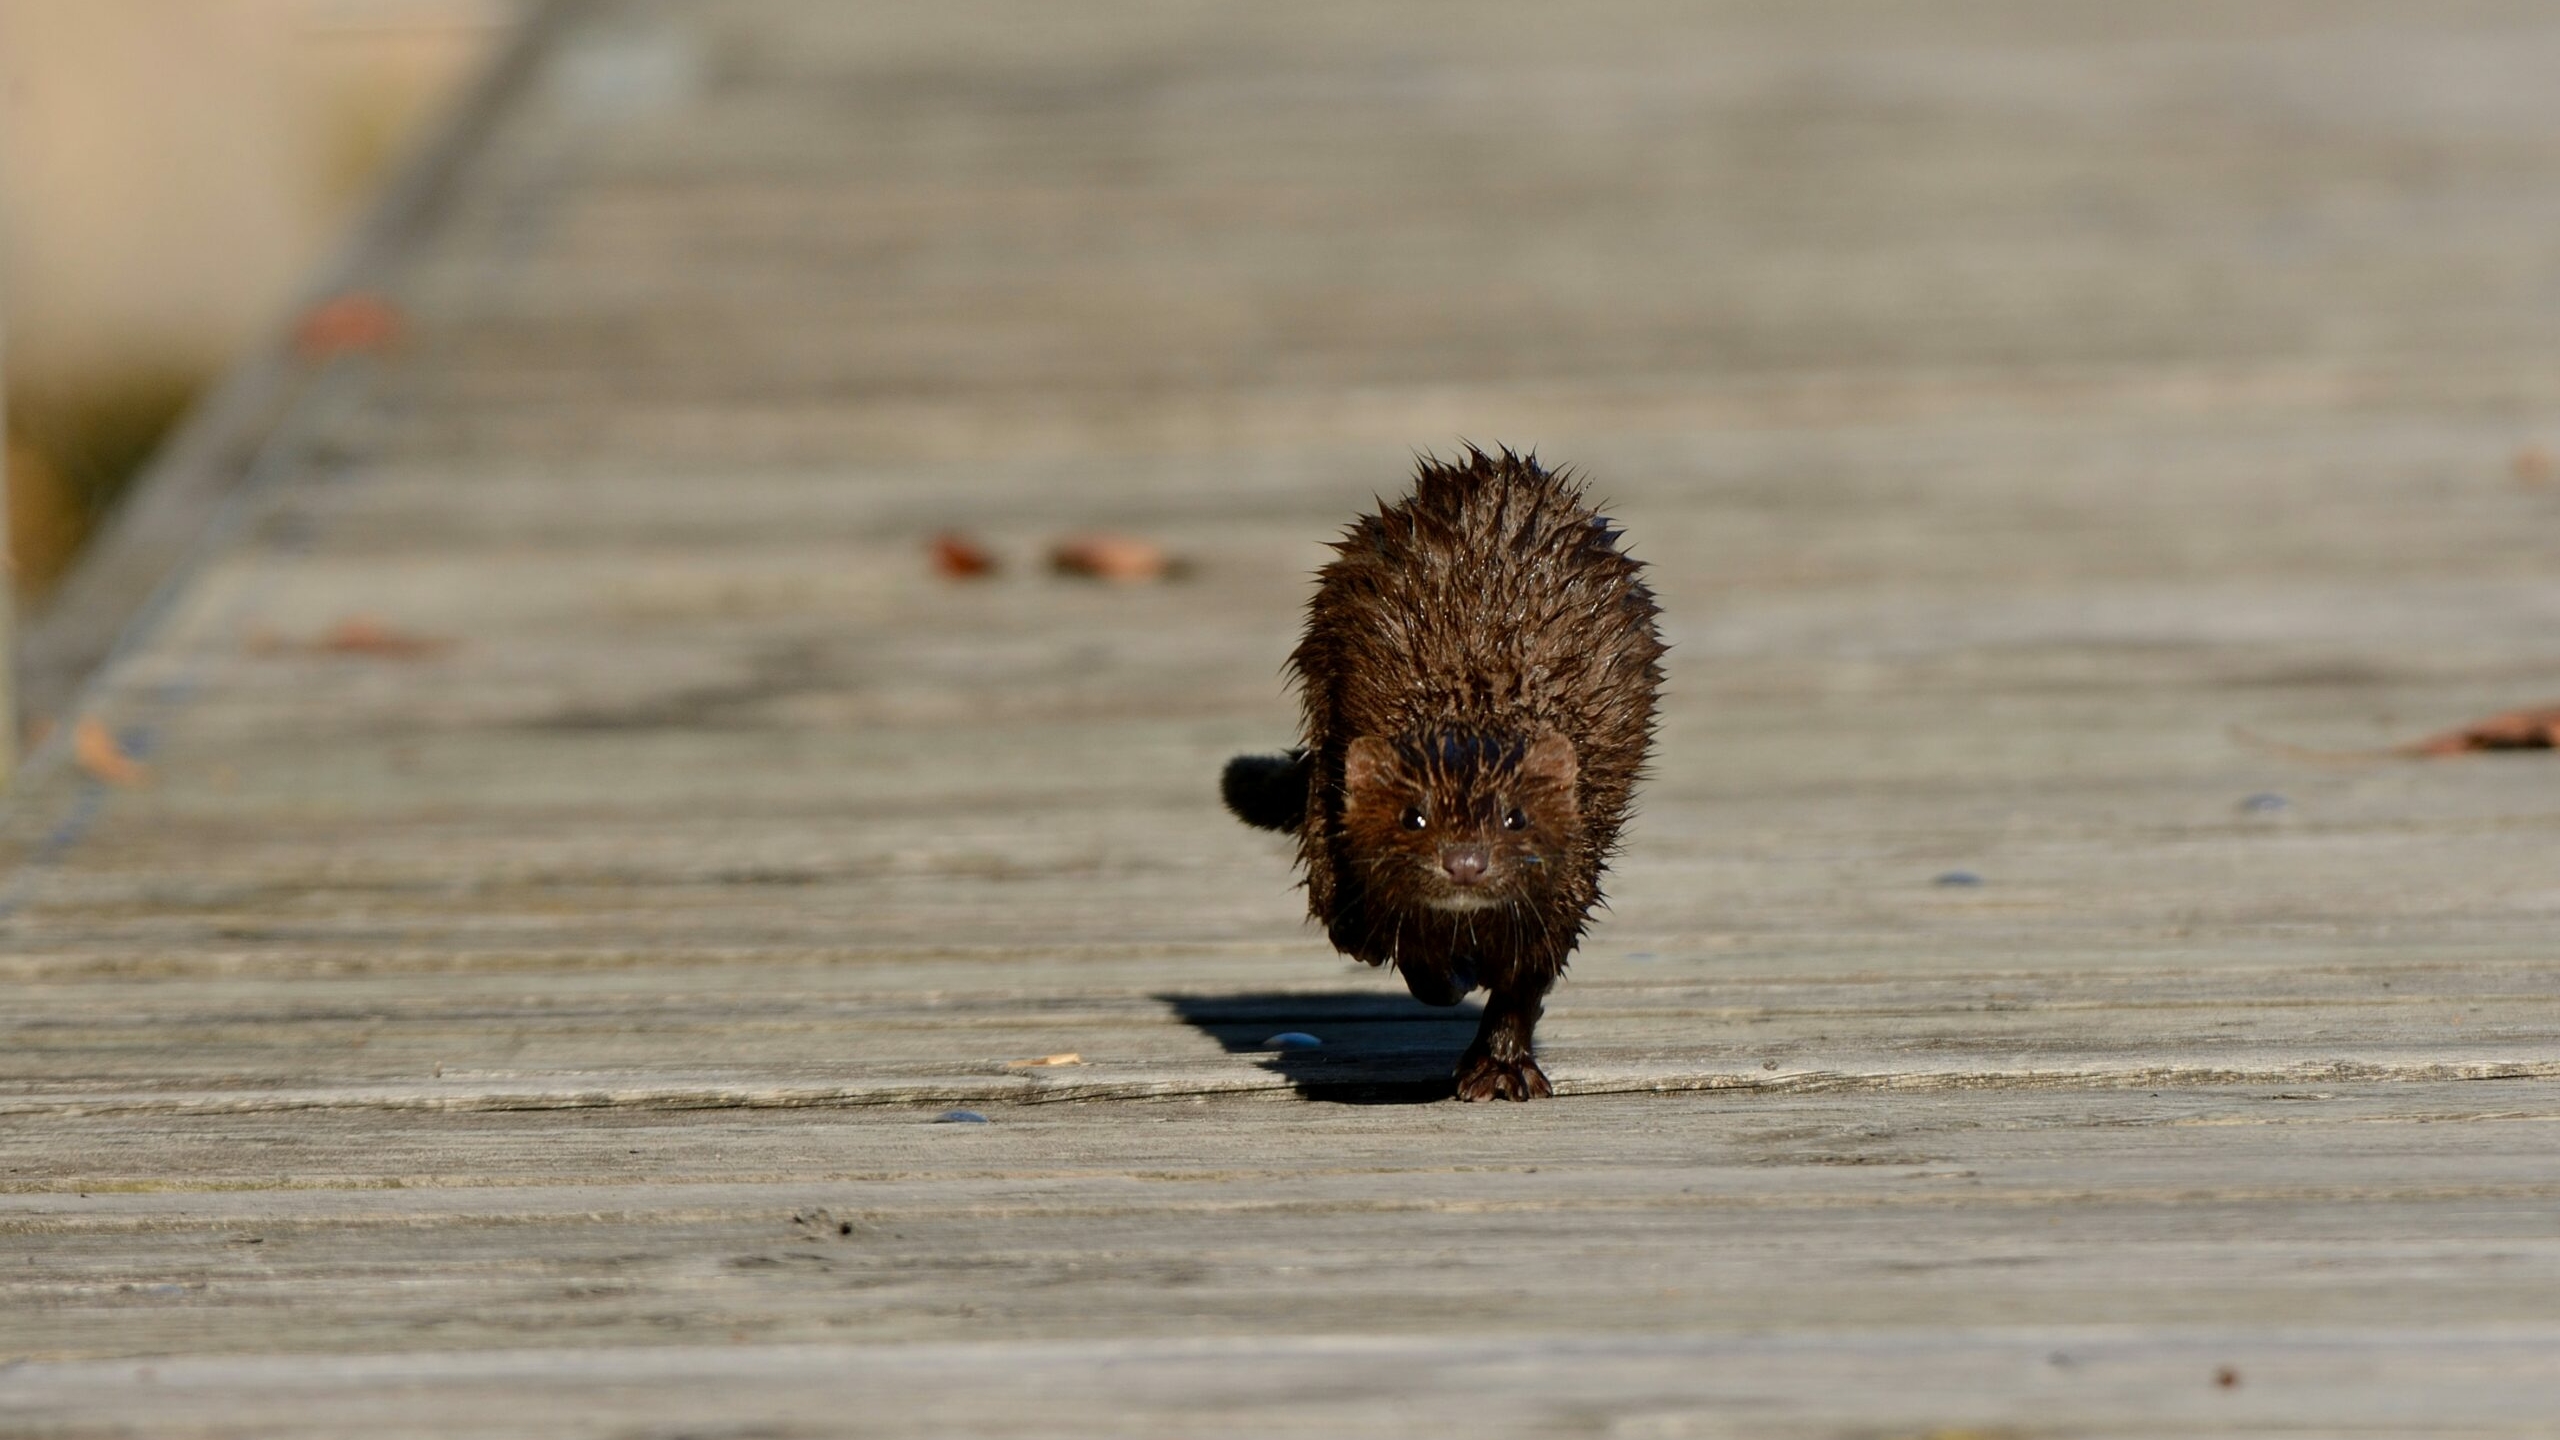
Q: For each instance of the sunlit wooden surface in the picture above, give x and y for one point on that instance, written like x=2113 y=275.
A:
x=583 y=847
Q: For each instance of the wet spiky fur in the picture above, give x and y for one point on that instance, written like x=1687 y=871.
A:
x=1478 y=676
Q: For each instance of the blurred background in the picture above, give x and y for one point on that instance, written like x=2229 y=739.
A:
x=170 y=172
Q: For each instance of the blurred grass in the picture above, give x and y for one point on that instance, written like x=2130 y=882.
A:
x=70 y=456
x=169 y=174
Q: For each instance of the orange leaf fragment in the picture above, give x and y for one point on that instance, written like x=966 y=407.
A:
x=95 y=751
x=957 y=557
x=364 y=635
x=1063 y=1057
x=2534 y=466
x=359 y=322
x=1121 y=559
x=2534 y=729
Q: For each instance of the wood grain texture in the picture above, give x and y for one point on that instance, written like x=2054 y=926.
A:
x=543 y=1030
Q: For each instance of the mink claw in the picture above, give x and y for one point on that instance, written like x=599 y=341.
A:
x=1481 y=1076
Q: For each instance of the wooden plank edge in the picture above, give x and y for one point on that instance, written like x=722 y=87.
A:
x=1349 y=1083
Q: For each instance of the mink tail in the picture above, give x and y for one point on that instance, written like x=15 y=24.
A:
x=1267 y=791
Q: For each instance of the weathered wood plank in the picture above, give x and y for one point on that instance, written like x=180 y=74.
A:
x=2013 y=400
x=1742 y=1215
x=2075 y=1382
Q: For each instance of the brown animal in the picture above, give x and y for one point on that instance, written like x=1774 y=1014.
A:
x=1478 y=676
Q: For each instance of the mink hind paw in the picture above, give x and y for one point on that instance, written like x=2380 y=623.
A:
x=1484 y=1076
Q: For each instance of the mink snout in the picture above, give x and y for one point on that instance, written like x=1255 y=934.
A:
x=1466 y=865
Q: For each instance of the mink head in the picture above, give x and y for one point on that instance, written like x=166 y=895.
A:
x=1460 y=822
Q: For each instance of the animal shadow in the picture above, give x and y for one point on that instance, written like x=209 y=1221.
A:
x=1378 y=1048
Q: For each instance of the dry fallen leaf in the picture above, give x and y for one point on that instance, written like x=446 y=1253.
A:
x=1122 y=559
x=364 y=635
x=2534 y=466
x=2534 y=729
x=957 y=557
x=94 y=750
x=355 y=323
x=1064 y=1057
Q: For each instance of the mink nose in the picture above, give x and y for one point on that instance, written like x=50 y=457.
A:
x=1466 y=864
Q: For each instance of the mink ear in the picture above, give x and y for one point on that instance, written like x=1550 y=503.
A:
x=1550 y=758
x=1368 y=765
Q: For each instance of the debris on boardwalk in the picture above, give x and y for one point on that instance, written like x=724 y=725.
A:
x=364 y=635
x=956 y=556
x=2537 y=728
x=95 y=749
x=352 y=324
x=2532 y=728
x=1122 y=559
x=358 y=635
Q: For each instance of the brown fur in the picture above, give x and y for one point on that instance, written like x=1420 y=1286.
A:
x=1478 y=675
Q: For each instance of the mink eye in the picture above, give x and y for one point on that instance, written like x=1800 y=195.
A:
x=1413 y=818
x=1515 y=820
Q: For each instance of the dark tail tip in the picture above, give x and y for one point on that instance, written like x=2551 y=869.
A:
x=1267 y=791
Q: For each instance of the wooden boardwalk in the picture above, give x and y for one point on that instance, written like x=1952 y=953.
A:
x=542 y=1030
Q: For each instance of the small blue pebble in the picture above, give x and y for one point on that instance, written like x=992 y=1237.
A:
x=1958 y=877
x=1292 y=1040
x=960 y=1117
x=2264 y=803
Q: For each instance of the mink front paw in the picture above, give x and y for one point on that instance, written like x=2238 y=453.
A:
x=1443 y=985
x=1483 y=1076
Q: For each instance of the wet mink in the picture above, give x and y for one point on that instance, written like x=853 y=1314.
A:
x=1478 y=675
